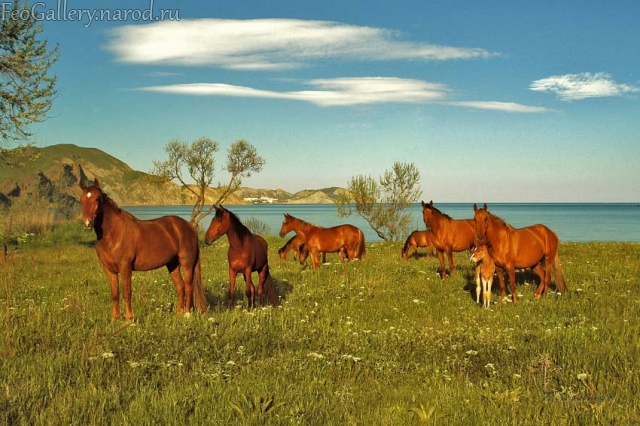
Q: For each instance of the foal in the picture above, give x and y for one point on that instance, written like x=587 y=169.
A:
x=480 y=256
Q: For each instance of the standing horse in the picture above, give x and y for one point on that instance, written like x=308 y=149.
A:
x=126 y=244
x=484 y=276
x=449 y=234
x=415 y=240
x=294 y=244
x=512 y=248
x=326 y=240
x=247 y=253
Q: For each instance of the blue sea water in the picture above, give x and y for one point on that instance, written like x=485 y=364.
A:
x=573 y=222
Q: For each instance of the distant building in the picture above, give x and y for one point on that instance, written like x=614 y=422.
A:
x=261 y=200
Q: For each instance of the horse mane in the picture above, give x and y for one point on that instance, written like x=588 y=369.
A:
x=500 y=220
x=440 y=212
x=236 y=224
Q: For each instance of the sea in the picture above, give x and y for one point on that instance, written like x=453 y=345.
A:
x=572 y=222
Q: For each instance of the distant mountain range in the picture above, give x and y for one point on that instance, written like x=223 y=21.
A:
x=54 y=172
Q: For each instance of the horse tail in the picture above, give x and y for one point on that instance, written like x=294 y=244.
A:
x=199 y=297
x=361 y=249
x=270 y=290
x=405 y=249
x=561 y=283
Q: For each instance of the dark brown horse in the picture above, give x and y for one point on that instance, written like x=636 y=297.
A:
x=326 y=240
x=534 y=247
x=416 y=240
x=126 y=244
x=449 y=234
x=247 y=253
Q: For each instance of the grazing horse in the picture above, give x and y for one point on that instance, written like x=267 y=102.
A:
x=415 y=240
x=326 y=240
x=294 y=244
x=126 y=244
x=484 y=277
x=304 y=253
x=449 y=234
x=512 y=248
x=247 y=253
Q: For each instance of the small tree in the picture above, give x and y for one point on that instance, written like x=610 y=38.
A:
x=383 y=203
x=198 y=159
x=26 y=89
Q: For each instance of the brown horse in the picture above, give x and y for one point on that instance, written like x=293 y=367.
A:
x=511 y=248
x=485 y=270
x=294 y=244
x=247 y=253
x=326 y=240
x=304 y=253
x=126 y=244
x=449 y=234
x=416 y=240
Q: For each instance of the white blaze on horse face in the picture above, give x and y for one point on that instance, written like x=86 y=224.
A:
x=88 y=195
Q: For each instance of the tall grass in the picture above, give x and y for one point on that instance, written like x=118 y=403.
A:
x=380 y=341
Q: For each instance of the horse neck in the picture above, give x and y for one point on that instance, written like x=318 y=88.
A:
x=437 y=219
x=109 y=221
x=303 y=228
x=237 y=233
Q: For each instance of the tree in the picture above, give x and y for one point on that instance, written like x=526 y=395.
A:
x=26 y=89
x=198 y=159
x=383 y=203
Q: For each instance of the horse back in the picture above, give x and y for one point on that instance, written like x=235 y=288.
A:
x=524 y=247
x=455 y=235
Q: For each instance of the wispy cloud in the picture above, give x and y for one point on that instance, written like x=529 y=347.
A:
x=326 y=92
x=501 y=106
x=269 y=44
x=348 y=91
x=571 y=87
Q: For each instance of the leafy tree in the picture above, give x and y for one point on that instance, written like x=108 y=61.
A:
x=26 y=89
x=198 y=159
x=382 y=203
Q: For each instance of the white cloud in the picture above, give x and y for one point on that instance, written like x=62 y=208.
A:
x=326 y=92
x=572 y=87
x=501 y=106
x=269 y=44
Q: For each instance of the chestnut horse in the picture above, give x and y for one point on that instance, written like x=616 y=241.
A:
x=416 y=240
x=449 y=234
x=326 y=240
x=126 y=244
x=247 y=253
x=512 y=248
x=294 y=244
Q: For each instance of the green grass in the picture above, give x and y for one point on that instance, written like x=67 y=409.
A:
x=381 y=341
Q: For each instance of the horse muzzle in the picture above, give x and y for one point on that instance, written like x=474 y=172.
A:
x=88 y=224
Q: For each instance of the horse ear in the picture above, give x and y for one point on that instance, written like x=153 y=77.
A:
x=96 y=184
x=431 y=203
x=423 y=204
x=475 y=207
x=83 y=185
x=485 y=208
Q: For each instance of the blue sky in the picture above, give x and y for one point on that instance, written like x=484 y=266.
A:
x=502 y=101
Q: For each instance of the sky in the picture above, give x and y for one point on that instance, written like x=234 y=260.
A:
x=500 y=101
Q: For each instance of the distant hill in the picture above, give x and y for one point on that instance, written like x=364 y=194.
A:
x=56 y=171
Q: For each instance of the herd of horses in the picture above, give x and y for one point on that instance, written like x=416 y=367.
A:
x=125 y=244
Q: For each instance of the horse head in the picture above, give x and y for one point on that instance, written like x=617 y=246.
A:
x=427 y=213
x=219 y=226
x=478 y=252
x=287 y=225
x=91 y=203
x=481 y=220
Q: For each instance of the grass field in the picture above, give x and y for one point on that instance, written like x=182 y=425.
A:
x=377 y=342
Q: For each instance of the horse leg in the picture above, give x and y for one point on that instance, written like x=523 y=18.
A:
x=478 y=283
x=486 y=295
x=452 y=266
x=503 y=291
x=443 y=272
x=115 y=294
x=179 y=284
x=126 y=292
x=249 y=288
x=314 y=258
x=232 y=288
x=262 y=277
x=512 y=283
x=540 y=272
